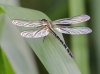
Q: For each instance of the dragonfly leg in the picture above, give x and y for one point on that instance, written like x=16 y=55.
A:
x=44 y=38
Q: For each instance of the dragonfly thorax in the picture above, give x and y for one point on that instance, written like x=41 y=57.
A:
x=46 y=23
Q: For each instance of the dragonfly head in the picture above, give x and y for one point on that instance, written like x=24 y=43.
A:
x=44 y=21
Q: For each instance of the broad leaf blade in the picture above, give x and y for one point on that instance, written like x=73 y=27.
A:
x=2 y=64
x=5 y=66
x=16 y=50
x=51 y=53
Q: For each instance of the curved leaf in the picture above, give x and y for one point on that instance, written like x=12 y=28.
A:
x=51 y=52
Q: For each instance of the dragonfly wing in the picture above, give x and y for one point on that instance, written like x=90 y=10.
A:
x=26 y=23
x=35 y=34
x=74 y=20
x=74 y=30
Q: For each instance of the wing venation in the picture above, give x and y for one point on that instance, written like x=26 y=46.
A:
x=74 y=20
x=74 y=30
x=26 y=23
x=35 y=34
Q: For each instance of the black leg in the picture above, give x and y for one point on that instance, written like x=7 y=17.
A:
x=44 y=39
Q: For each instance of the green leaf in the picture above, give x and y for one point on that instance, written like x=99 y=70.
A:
x=79 y=43
x=95 y=36
x=2 y=64
x=50 y=52
x=5 y=67
x=16 y=49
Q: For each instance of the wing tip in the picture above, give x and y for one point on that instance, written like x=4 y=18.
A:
x=15 y=22
x=87 y=17
x=90 y=30
x=25 y=34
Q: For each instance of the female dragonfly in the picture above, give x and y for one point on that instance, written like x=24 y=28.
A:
x=43 y=27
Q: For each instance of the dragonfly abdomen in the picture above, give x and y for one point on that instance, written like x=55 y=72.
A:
x=63 y=43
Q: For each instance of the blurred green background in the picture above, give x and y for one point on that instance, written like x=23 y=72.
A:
x=86 y=48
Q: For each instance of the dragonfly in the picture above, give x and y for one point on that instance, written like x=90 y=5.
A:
x=43 y=27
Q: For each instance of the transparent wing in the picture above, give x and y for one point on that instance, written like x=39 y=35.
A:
x=74 y=20
x=74 y=30
x=26 y=23
x=35 y=34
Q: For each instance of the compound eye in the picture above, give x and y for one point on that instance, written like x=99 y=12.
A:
x=43 y=20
